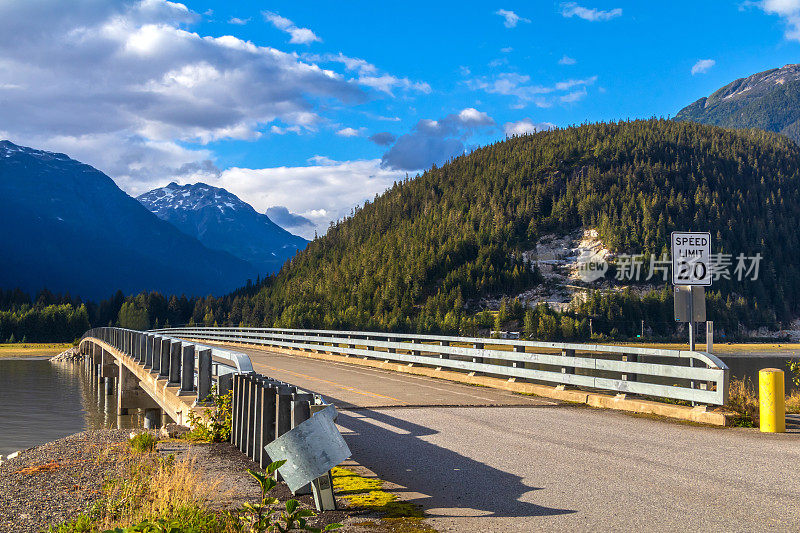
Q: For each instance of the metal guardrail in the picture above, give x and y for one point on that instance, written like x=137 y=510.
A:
x=263 y=409
x=195 y=366
x=675 y=374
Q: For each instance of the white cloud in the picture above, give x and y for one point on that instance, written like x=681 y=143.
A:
x=337 y=186
x=572 y=9
x=298 y=35
x=386 y=82
x=129 y=89
x=702 y=66
x=573 y=96
x=566 y=60
x=239 y=21
x=511 y=19
x=525 y=126
x=507 y=50
x=348 y=132
x=369 y=75
x=789 y=11
x=519 y=86
x=471 y=116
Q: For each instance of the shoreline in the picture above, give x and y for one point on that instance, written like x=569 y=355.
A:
x=59 y=481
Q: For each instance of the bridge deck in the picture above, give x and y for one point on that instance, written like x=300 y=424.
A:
x=549 y=467
x=350 y=386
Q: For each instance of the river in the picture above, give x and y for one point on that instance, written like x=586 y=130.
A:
x=42 y=401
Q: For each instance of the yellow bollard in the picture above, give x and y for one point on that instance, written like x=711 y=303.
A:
x=771 y=400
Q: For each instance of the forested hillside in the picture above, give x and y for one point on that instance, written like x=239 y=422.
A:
x=411 y=258
x=418 y=257
x=768 y=100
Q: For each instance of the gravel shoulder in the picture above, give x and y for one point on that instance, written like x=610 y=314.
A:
x=56 y=481
x=53 y=482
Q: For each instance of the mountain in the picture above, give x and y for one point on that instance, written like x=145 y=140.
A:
x=424 y=255
x=68 y=227
x=221 y=221
x=769 y=100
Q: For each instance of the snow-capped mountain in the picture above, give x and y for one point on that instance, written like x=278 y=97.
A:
x=67 y=226
x=221 y=221
x=769 y=100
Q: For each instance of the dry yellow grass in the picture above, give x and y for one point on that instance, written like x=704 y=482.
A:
x=156 y=488
x=30 y=349
x=743 y=398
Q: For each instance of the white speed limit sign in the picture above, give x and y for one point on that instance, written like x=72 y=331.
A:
x=691 y=258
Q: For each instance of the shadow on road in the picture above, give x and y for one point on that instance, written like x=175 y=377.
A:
x=454 y=485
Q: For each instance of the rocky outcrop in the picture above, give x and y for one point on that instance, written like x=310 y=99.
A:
x=68 y=355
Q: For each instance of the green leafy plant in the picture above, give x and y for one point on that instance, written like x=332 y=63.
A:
x=265 y=517
x=146 y=526
x=794 y=368
x=143 y=442
x=217 y=427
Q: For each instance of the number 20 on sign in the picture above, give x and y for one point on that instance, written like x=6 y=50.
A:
x=691 y=258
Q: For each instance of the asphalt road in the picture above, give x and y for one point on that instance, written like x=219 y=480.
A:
x=530 y=464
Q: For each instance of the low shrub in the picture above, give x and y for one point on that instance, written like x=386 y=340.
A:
x=217 y=427
x=143 y=442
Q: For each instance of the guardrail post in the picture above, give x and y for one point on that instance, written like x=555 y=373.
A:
x=175 y=362
x=568 y=369
x=283 y=412
x=244 y=408
x=283 y=409
x=155 y=364
x=247 y=428
x=187 y=369
x=301 y=411
x=235 y=408
x=258 y=398
x=477 y=346
x=147 y=354
x=267 y=421
x=630 y=376
x=518 y=364
x=415 y=352
x=163 y=371
x=224 y=384
x=444 y=355
x=203 y=374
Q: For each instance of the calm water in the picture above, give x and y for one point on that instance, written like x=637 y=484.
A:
x=42 y=401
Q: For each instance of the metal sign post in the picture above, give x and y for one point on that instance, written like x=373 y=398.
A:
x=709 y=336
x=691 y=272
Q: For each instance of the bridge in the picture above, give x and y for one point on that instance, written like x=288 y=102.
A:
x=507 y=457
x=162 y=375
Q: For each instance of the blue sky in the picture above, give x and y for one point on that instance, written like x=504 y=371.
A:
x=318 y=106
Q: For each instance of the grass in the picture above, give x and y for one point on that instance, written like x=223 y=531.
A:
x=150 y=488
x=367 y=493
x=743 y=399
x=143 y=442
x=29 y=349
